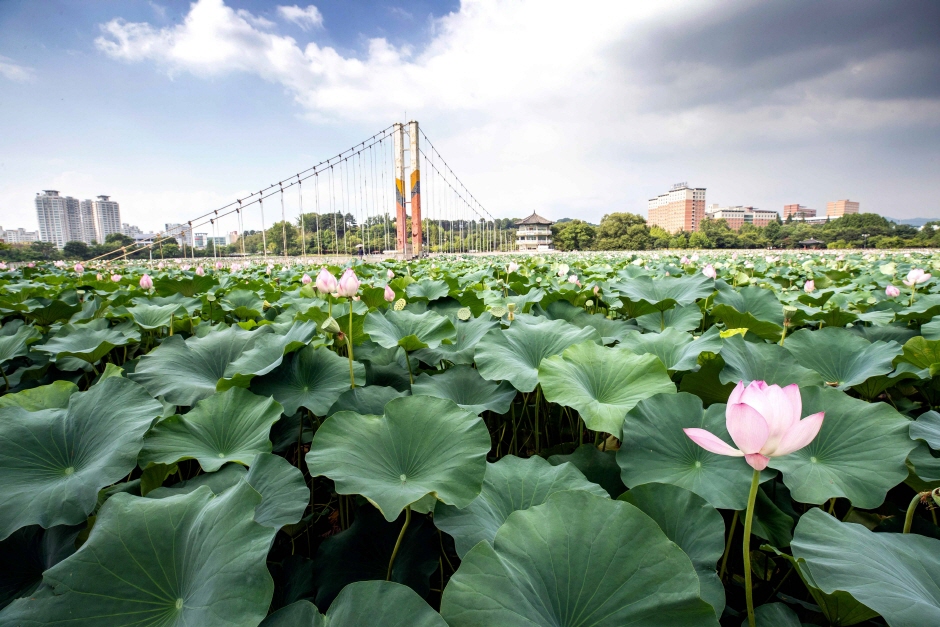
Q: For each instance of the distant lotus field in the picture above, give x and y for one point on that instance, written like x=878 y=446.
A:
x=582 y=440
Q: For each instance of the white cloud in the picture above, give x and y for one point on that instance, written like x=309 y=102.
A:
x=543 y=107
x=306 y=18
x=14 y=71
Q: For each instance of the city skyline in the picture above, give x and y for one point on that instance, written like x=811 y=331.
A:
x=830 y=101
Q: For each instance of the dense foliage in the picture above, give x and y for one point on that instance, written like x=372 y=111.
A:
x=468 y=441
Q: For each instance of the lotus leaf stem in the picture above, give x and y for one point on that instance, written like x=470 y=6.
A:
x=748 y=522
x=724 y=558
x=909 y=517
x=411 y=376
x=401 y=534
x=5 y=380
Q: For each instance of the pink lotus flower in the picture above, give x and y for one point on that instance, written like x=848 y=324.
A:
x=573 y=279
x=512 y=267
x=99 y=277
x=892 y=291
x=764 y=422
x=184 y=267
x=116 y=278
x=79 y=268
x=219 y=265
x=348 y=284
x=389 y=294
x=31 y=265
x=709 y=271
x=200 y=271
x=161 y=266
x=146 y=282
x=390 y=275
x=269 y=269
x=326 y=282
x=684 y=261
x=3 y=266
x=734 y=256
x=305 y=279
x=694 y=257
x=809 y=287
x=597 y=290
x=59 y=264
x=916 y=277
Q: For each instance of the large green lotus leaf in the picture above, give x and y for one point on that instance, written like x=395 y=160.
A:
x=56 y=395
x=665 y=292
x=150 y=316
x=54 y=461
x=859 y=453
x=420 y=446
x=931 y=330
x=362 y=553
x=602 y=383
x=27 y=553
x=597 y=466
x=896 y=575
x=243 y=304
x=185 y=285
x=839 y=607
x=705 y=382
x=759 y=361
x=230 y=426
x=840 y=356
x=676 y=349
x=752 y=308
x=312 y=377
x=926 y=428
x=609 y=330
x=509 y=485
x=465 y=386
x=88 y=342
x=923 y=354
x=368 y=400
x=469 y=333
x=15 y=338
x=195 y=559
x=576 y=560
x=656 y=450
x=514 y=354
x=689 y=521
x=428 y=289
x=44 y=312
x=774 y=615
x=267 y=352
x=684 y=318
x=376 y=603
x=284 y=493
x=408 y=330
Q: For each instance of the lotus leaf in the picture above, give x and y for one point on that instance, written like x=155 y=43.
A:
x=369 y=400
x=469 y=334
x=53 y=396
x=15 y=338
x=759 y=361
x=677 y=350
x=840 y=356
x=597 y=466
x=88 y=342
x=465 y=386
x=408 y=330
x=312 y=378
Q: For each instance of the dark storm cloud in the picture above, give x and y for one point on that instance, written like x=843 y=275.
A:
x=739 y=54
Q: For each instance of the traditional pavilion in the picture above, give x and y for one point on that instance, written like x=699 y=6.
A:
x=534 y=233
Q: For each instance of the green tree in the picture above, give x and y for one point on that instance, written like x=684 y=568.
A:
x=118 y=238
x=623 y=231
x=573 y=235
x=698 y=239
x=75 y=250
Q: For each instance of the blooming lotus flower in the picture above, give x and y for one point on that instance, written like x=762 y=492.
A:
x=59 y=264
x=146 y=282
x=891 y=291
x=99 y=277
x=305 y=279
x=809 y=287
x=348 y=284
x=200 y=271
x=161 y=266
x=916 y=277
x=389 y=294
x=219 y=265
x=116 y=278
x=31 y=264
x=764 y=422
x=79 y=268
x=390 y=275
x=326 y=282
x=512 y=267
x=573 y=278
x=694 y=257
x=269 y=269
x=684 y=261
x=709 y=271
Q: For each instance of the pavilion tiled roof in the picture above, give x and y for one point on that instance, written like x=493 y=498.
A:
x=534 y=219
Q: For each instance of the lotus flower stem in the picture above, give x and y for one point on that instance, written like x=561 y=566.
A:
x=349 y=347
x=538 y=395
x=5 y=380
x=724 y=558
x=401 y=534
x=909 y=517
x=748 y=522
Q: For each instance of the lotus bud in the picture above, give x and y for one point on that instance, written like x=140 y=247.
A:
x=79 y=268
x=390 y=275
x=200 y=271
x=116 y=278
x=709 y=271
x=305 y=279
x=389 y=294
x=684 y=261
x=31 y=265
x=99 y=277
x=59 y=264
x=219 y=265
x=597 y=290
x=891 y=291
x=348 y=284
x=694 y=257
x=330 y=326
x=161 y=266
x=146 y=282
x=326 y=282
x=512 y=267
x=269 y=269
x=573 y=278
x=809 y=287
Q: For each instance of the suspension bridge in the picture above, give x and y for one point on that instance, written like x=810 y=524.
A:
x=391 y=194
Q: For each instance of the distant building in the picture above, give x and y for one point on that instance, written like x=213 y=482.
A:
x=130 y=230
x=87 y=221
x=199 y=240
x=232 y=237
x=738 y=216
x=52 y=213
x=213 y=240
x=534 y=233
x=839 y=208
x=107 y=217
x=798 y=212
x=18 y=236
x=182 y=232
x=680 y=209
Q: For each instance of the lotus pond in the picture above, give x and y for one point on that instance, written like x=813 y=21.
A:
x=569 y=440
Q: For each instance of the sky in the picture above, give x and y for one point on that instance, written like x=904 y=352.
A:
x=567 y=109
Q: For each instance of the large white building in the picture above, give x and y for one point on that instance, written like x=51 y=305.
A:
x=87 y=212
x=534 y=233
x=738 y=216
x=107 y=217
x=182 y=232
x=682 y=208
x=52 y=213
x=18 y=236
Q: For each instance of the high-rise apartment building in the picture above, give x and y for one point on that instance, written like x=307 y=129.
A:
x=107 y=217
x=52 y=212
x=182 y=232
x=87 y=212
x=798 y=212
x=839 y=208
x=681 y=209
x=738 y=216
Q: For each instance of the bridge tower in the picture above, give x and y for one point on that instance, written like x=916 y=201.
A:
x=416 y=225
x=401 y=216
x=406 y=194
